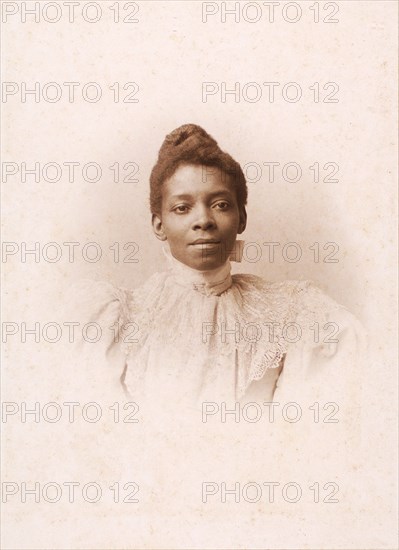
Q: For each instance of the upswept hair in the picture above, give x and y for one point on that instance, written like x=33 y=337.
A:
x=191 y=144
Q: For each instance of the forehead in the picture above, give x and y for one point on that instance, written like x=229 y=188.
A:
x=197 y=180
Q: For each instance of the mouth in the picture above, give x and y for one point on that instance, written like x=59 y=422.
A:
x=208 y=245
x=205 y=241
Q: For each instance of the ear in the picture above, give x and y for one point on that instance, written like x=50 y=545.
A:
x=157 y=227
x=243 y=220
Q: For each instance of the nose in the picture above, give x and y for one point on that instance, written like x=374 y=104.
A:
x=204 y=219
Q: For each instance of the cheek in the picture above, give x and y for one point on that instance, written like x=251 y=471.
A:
x=230 y=223
x=174 y=226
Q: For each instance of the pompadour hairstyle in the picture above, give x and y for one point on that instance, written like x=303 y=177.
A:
x=191 y=144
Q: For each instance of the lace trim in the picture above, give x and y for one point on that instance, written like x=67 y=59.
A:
x=168 y=311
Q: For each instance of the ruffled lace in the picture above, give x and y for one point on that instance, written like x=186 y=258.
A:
x=225 y=341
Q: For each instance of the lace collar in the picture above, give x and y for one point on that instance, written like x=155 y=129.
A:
x=211 y=283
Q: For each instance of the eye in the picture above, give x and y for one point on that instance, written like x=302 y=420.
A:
x=180 y=209
x=222 y=205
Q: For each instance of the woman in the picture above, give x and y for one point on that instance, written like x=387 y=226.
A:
x=196 y=333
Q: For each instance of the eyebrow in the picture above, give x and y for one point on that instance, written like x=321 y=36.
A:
x=183 y=196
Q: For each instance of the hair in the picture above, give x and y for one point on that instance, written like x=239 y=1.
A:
x=191 y=144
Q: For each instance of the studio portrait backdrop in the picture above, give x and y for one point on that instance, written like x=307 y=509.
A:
x=301 y=94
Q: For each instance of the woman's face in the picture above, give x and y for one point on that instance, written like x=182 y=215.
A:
x=200 y=217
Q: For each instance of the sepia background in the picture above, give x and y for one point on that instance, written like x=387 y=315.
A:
x=174 y=52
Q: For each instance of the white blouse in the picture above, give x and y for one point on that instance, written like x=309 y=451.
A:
x=187 y=336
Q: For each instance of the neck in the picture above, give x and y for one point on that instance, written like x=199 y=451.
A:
x=209 y=282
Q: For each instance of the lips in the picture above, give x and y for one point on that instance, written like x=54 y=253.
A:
x=205 y=241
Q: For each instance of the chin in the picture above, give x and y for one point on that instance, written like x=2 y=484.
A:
x=196 y=260
x=206 y=265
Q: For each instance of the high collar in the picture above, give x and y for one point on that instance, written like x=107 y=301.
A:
x=211 y=282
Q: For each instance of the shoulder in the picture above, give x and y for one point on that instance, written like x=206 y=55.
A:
x=296 y=293
x=100 y=301
x=294 y=301
x=105 y=313
x=289 y=286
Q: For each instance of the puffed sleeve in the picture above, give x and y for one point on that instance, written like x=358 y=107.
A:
x=100 y=313
x=323 y=369
x=322 y=374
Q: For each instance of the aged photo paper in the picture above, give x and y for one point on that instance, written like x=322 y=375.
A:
x=199 y=274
